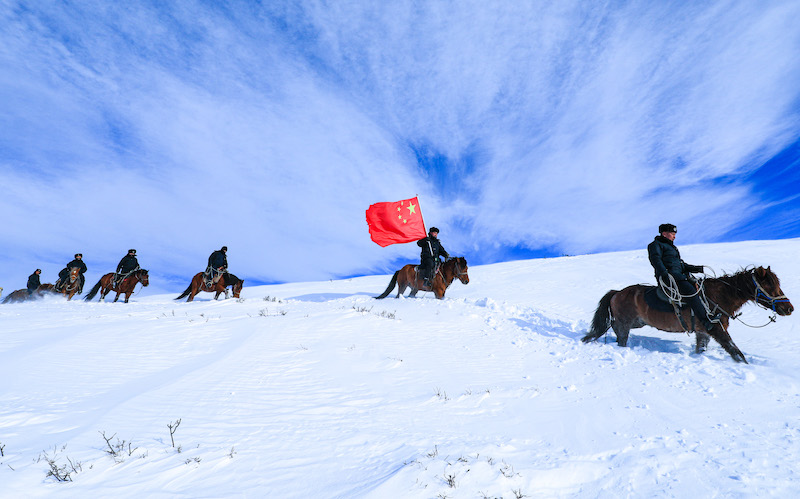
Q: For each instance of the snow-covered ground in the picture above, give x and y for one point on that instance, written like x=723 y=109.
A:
x=318 y=390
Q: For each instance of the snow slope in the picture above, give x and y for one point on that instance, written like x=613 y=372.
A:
x=318 y=390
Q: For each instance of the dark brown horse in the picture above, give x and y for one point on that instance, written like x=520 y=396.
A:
x=198 y=284
x=409 y=277
x=627 y=309
x=21 y=295
x=107 y=284
x=69 y=287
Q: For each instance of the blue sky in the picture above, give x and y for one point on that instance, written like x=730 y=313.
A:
x=526 y=129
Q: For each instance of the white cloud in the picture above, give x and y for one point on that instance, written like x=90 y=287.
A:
x=271 y=129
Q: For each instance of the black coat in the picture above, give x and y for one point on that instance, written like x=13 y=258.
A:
x=666 y=259
x=217 y=260
x=77 y=263
x=431 y=248
x=33 y=282
x=128 y=264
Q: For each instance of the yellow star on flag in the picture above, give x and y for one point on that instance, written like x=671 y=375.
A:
x=411 y=207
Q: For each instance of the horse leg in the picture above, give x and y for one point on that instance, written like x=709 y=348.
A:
x=401 y=288
x=702 y=341
x=621 y=330
x=723 y=338
x=117 y=297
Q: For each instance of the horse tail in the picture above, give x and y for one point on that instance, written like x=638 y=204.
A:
x=390 y=288
x=7 y=299
x=93 y=290
x=185 y=293
x=602 y=318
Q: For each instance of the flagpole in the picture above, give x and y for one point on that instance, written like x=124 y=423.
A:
x=420 y=214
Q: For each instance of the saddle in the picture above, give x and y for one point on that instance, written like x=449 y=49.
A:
x=437 y=264
x=211 y=277
x=656 y=299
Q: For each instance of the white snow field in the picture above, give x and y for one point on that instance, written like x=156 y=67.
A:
x=317 y=390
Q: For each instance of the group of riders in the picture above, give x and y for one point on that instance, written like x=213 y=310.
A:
x=217 y=267
x=671 y=271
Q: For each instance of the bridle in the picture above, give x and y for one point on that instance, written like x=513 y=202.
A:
x=73 y=281
x=459 y=272
x=761 y=293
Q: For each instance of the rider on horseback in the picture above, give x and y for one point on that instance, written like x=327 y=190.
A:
x=33 y=281
x=432 y=249
x=666 y=260
x=128 y=264
x=217 y=264
x=64 y=274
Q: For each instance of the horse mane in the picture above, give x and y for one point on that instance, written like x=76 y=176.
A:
x=742 y=280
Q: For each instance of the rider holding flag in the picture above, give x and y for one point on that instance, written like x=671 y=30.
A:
x=432 y=249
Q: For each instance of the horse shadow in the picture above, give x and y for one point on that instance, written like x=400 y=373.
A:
x=655 y=344
x=323 y=297
x=545 y=326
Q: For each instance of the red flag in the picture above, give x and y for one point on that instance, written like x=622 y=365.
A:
x=396 y=222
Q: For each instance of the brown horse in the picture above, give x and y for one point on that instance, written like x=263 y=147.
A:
x=199 y=284
x=107 y=284
x=627 y=309
x=21 y=295
x=408 y=277
x=69 y=287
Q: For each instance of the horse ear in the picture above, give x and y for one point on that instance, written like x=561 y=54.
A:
x=761 y=271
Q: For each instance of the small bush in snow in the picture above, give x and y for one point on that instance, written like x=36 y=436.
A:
x=173 y=427
x=118 y=449
x=60 y=472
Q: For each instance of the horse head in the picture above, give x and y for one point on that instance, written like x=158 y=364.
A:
x=74 y=272
x=768 y=292
x=461 y=268
x=143 y=276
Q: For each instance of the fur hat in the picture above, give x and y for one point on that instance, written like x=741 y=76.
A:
x=432 y=230
x=667 y=228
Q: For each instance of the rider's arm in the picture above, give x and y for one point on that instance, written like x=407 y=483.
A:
x=655 y=255
x=692 y=268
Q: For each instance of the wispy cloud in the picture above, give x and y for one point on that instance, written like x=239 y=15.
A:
x=178 y=128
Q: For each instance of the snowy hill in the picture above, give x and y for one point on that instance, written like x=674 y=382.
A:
x=318 y=390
